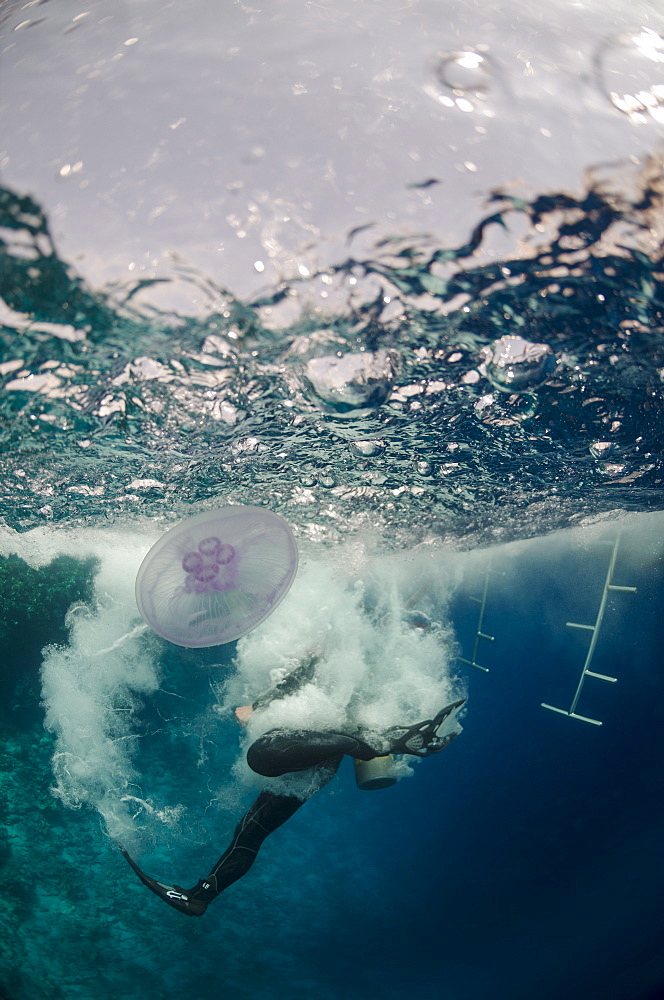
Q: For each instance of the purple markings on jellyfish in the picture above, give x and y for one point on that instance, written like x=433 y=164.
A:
x=226 y=553
x=213 y=567
x=206 y=574
x=209 y=547
x=192 y=562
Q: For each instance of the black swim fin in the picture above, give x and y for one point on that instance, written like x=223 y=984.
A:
x=174 y=895
x=422 y=739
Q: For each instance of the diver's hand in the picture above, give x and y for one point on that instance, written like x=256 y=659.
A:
x=243 y=713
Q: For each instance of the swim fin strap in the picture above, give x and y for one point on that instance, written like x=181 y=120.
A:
x=422 y=739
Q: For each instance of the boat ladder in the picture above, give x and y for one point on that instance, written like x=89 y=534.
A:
x=609 y=588
x=479 y=633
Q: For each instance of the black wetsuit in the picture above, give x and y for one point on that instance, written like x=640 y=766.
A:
x=279 y=752
x=282 y=751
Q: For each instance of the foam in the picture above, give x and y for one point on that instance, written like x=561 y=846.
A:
x=92 y=688
x=375 y=670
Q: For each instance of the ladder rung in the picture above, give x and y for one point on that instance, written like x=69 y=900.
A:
x=470 y=663
x=591 y=628
x=627 y=590
x=600 y=677
x=584 y=718
x=476 y=600
x=571 y=715
x=483 y=635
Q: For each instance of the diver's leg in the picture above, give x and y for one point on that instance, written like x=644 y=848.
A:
x=263 y=817
x=266 y=814
x=282 y=751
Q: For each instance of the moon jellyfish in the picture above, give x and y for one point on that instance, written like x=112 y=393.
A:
x=216 y=576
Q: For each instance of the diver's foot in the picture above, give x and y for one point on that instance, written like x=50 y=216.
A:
x=422 y=739
x=181 y=899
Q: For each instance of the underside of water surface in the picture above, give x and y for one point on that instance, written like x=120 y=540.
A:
x=356 y=396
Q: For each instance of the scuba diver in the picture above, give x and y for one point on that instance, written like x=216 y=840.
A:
x=282 y=751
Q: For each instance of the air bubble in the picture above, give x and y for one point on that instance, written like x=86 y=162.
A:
x=369 y=448
x=601 y=449
x=629 y=70
x=464 y=72
x=352 y=385
x=461 y=78
x=514 y=364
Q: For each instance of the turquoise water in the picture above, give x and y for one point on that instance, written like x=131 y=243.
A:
x=527 y=858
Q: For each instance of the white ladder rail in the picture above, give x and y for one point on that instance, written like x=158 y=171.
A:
x=609 y=587
x=479 y=633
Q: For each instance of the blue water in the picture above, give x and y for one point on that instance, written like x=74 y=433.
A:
x=533 y=843
x=353 y=392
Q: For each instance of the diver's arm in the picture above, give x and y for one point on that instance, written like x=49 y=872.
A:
x=297 y=678
x=292 y=682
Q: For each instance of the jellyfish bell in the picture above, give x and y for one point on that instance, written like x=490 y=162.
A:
x=217 y=575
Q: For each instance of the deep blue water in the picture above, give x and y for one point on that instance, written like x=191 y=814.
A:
x=534 y=843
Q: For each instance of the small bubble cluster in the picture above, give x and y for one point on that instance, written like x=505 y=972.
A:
x=212 y=567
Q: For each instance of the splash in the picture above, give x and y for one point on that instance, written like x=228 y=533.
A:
x=93 y=687
x=380 y=624
x=377 y=668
